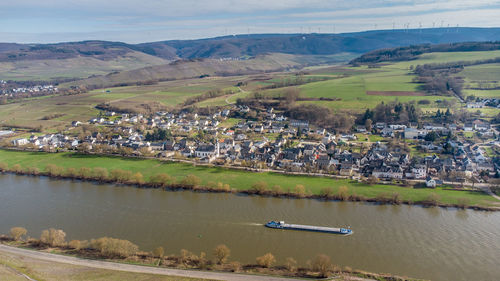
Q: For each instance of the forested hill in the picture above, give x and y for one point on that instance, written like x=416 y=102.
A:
x=317 y=44
x=412 y=52
x=250 y=45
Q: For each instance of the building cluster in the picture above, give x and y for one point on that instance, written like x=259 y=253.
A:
x=276 y=142
x=34 y=90
x=484 y=102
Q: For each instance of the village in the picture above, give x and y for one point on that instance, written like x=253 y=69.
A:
x=390 y=152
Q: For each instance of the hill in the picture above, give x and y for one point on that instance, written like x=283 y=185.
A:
x=76 y=60
x=194 y=68
x=317 y=44
x=413 y=52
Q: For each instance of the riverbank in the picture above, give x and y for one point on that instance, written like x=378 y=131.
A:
x=23 y=265
x=185 y=266
x=169 y=175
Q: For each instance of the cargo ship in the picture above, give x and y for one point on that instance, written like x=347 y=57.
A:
x=283 y=225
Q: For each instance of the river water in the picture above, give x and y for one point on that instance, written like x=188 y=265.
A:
x=430 y=243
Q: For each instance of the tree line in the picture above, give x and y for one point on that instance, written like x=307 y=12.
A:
x=119 y=249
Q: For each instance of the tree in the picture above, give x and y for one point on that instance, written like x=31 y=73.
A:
x=100 y=174
x=343 y=193
x=368 y=124
x=221 y=253
x=75 y=244
x=266 y=260
x=322 y=264
x=3 y=166
x=17 y=232
x=191 y=181
x=112 y=247
x=259 y=187
x=159 y=252
x=291 y=264
x=160 y=180
x=432 y=136
x=137 y=178
x=300 y=190
x=53 y=237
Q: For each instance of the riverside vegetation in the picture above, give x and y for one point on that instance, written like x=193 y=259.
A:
x=156 y=174
x=118 y=250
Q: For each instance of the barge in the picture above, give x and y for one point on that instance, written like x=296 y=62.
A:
x=283 y=225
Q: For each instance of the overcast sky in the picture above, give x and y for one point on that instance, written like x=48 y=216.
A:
x=133 y=21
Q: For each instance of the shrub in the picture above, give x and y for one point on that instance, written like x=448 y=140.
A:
x=396 y=198
x=433 y=199
x=85 y=173
x=71 y=172
x=75 y=244
x=3 y=166
x=299 y=190
x=326 y=192
x=259 y=187
x=16 y=169
x=120 y=176
x=100 y=174
x=266 y=260
x=17 y=232
x=221 y=253
x=191 y=181
x=343 y=193
x=33 y=171
x=322 y=264
x=277 y=189
x=160 y=180
x=53 y=237
x=235 y=266
x=291 y=264
x=463 y=202
x=137 y=178
x=112 y=247
x=159 y=252
x=53 y=170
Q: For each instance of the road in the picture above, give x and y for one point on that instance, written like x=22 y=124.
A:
x=135 y=268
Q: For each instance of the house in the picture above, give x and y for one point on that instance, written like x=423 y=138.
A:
x=207 y=150
x=299 y=123
x=412 y=133
x=20 y=142
x=429 y=182
x=387 y=132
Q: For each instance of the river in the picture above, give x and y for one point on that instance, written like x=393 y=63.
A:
x=430 y=243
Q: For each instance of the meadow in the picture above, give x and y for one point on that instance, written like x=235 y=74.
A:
x=238 y=179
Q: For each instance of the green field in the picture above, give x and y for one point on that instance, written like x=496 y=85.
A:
x=239 y=180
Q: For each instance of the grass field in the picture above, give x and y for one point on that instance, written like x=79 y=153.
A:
x=11 y=265
x=240 y=180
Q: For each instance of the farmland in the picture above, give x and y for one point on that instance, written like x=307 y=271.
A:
x=349 y=88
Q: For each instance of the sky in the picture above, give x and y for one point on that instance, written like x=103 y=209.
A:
x=132 y=21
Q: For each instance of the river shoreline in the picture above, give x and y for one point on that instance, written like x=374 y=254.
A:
x=265 y=193
x=171 y=264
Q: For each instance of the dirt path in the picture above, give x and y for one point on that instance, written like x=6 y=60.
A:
x=134 y=268
x=241 y=91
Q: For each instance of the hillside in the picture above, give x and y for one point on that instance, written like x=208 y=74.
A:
x=318 y=44
x=413 y=52
x=207 y=67
x=83 y=59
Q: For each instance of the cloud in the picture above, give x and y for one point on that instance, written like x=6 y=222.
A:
x=147 y=20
